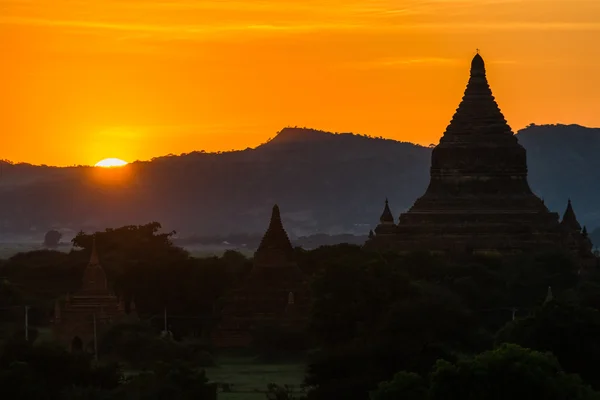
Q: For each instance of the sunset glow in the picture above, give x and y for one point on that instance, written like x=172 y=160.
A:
x=149 y=78
x=110 y=163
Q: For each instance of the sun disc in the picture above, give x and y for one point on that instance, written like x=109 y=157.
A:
x=111 y=162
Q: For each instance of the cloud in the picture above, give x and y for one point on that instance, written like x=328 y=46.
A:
x=406 y=62
x=182 y=31
x=198 y=20
x=189 y=31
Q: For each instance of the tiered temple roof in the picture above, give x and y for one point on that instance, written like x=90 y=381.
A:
x=275 y=248
x=569 y=220
x=386 y=221
x=274 y=294
x=386 y=216
x=478 y=198
x=579 y=240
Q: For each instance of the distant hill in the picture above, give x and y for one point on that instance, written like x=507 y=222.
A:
x=324 y=183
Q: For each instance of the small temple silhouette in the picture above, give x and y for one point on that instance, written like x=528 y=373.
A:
x=93 y=306
x=275 y=294
x=478 y=198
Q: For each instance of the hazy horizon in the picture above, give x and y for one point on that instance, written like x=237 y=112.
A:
x=516 y=130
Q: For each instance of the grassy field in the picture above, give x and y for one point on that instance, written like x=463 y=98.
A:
x=249 y=379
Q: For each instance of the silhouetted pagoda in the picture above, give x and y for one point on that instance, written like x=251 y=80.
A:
x=478 y=197
x=274 y=295
x=93 y=306
x=578 y=239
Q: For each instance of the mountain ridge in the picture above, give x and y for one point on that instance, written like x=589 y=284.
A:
x=324 y=182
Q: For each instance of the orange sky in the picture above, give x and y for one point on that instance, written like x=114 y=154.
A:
x=81 y=80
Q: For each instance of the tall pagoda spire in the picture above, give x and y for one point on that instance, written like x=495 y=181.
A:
x=94 y=277
x=94 y=254
x=478 y=112
x=275 y=246
x=569 y=219
x=386 y=217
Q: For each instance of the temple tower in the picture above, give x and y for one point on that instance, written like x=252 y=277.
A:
x=569 y=219
x=275 y=294
x=579 y=240
x=478 y=198
x=74 y=316
x=94 y=277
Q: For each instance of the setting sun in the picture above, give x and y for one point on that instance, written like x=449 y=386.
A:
x=111 y=162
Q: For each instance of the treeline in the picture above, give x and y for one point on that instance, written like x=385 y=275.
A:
x=425 y=324
x=251 y=241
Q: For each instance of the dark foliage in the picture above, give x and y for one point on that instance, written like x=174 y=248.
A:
x=372 y=314
x=375 y=315
x=507 y=373
x=569 y=331
x=45 y=371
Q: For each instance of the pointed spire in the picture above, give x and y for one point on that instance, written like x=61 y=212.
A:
x=94 y=277
x=477 y=65
x=386 y=216
x=478 y=114
x=584 y=232
x=275 y=245
x=569 y=219
x=549 y=296
x=94 y=255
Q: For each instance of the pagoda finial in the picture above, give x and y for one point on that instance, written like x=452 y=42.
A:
x=477 y=65
x=584 y=231
x=94 y=277
x=275 y=214
x=94 y=255
x=569 y=219
x=386 y=217
x=275 y=244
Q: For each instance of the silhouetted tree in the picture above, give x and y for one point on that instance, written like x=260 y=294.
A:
x=52 y=238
